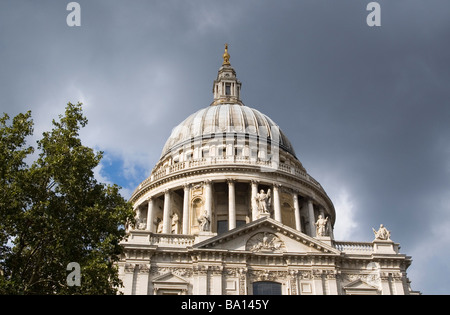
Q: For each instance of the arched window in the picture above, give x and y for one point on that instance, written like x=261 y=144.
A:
x=266 y=288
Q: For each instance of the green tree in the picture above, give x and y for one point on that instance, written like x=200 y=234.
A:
x=55 y=212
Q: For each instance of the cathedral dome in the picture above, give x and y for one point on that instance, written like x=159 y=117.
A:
x=227 y=120
x=229 y=151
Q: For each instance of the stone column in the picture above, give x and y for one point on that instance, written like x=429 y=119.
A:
x=217 y=280
x=397 y=284
x=298 y=225
x=142 y=279
x=312 y=218
x=332 y=282
x=150 y=215
x=253 y=201
x=385 y=283
x=208 y=201
x=128 y=279
x=276 y=202
x=167 y=222
x=202 y=280
x=242 y=272
x=293 y=282
x=231 y=205
x=318 y=282
x=186 y=209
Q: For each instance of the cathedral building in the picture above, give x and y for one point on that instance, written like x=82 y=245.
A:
x=230 y=210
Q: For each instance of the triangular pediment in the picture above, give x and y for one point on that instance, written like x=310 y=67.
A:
x=267 y=236
x=360 y=287
x=169 y=278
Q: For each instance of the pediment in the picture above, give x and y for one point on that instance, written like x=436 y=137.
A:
x=267 y=236
x=360 y=287
x=170 y=278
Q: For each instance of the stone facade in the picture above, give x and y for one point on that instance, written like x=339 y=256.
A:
x=229 y=209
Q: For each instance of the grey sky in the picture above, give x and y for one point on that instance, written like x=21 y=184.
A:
x=367 y=109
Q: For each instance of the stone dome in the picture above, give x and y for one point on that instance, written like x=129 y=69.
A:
x=228 y=151
x=226 y=120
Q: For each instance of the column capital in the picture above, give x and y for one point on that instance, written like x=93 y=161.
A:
x=231 y=180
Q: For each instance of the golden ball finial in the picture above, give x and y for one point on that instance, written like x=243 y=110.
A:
x=226 y=56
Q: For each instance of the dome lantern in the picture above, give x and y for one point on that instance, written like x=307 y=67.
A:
x=226 y=88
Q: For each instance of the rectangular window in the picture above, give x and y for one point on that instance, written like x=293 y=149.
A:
x=222 y=226
x=266 y=288
x=228 y=89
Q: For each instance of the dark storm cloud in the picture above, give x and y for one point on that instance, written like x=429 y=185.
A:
x=367 y=109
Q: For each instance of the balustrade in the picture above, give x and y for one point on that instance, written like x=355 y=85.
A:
x=171 y=240
x=353 y=246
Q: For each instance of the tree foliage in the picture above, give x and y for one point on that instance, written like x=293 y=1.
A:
x=54 y=211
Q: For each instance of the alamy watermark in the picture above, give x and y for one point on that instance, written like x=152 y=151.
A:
x=74 y=277
x=374 y=17
x=74 y=17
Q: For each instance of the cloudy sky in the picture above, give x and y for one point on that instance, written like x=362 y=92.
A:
x=366 y=108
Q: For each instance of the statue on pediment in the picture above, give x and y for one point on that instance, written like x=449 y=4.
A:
x=263 y=201
x=321 y=226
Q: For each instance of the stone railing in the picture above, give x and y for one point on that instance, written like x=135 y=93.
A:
x=158 y=239
x=354 y=247
x=172 y=240
x=167 y=170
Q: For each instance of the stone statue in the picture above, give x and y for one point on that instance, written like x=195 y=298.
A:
x=140 y=223
x=175 y=224
x=160 y=227
x=321 y=226
x=382 y=233
x=263 y=201
x=204 y=221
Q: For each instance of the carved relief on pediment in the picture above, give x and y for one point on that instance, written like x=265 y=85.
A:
x=372 y=280
x=266 y=243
